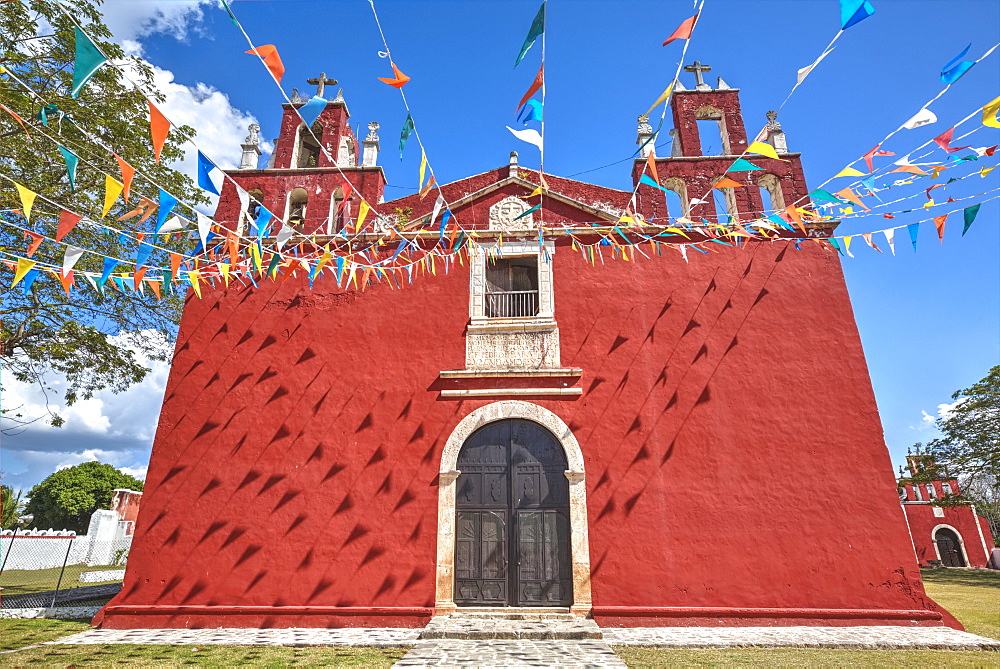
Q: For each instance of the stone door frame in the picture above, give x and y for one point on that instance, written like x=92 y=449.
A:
x=579 y=535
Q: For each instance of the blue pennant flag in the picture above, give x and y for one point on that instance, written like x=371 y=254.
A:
x=109 y=267
x=956 y=67
x=913 y=228
x=531 y=111
x=205 y=167
x=71 y=161
x=648 y=180
x=260 y=224
x=29 y=278
x=167 y=204
x=853 y=12
x=310 y=111
x=142 y=254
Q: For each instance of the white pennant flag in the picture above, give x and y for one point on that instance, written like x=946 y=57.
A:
x=244 y=198
x=804 y=72
x=922 y=117
x=684 y=251
x=172 y=224
x=284 y=234
x=204 y=226
x=73 y=254
x=890 y=236
x=530 y=136
x=438 y=203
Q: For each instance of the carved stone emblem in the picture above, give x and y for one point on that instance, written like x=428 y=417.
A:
x=503 y=213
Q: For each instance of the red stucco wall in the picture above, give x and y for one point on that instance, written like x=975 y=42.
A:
x=293 y=475
x=923 y=523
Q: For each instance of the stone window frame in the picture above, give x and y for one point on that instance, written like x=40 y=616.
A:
x=444 y=593
x=477 y=284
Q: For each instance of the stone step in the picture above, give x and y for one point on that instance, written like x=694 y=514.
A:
x=481 y=627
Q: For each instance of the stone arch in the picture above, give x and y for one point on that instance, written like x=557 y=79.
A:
x=448 y=475
x=678 y=186
x=961 y=541
x=710 y=113
x=296 y=206
x=772 y=185
x=307 y=149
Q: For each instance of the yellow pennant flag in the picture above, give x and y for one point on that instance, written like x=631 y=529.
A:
x=255 y=256
x=763 y=149
x=112 y=189
x=224 y=270
x=362 y=213
x=986 y=170
x=193 y=278
x=423 y=168
x=990 y=113
x=662 y=98
x=849 y=172
x=23 y=267
x=27 y=199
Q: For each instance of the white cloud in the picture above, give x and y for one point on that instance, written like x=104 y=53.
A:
x=131 y=19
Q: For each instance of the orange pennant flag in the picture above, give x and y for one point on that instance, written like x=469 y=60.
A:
x=127 y=173
x=726 y=182
x=36 y=241
x=137 y=277
x=400 y=79
x=67 y=221
x=683 y=30
x=535 y=85
x=939 y=224
x=427 y=188
x=912 y=169
x=159 y=127
x=272 y=60
x=850 y=196
x=67 y=281
x=651 y=162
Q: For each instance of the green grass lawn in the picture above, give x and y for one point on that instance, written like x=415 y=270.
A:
x=21 y=633
x=971 y=596
x=25 y=581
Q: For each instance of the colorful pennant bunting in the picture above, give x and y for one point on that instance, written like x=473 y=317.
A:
x=88 y=60
x=269 y=54
x=536 y=29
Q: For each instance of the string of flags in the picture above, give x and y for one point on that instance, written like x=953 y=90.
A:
x=247 y=259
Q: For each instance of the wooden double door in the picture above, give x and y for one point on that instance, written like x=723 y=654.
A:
x=512 y=543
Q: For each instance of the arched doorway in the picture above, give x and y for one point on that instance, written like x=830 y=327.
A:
x=512 y=543
x=949 y=547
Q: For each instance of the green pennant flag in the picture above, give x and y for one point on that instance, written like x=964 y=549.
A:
x=824 y=196
x=71 y=161
x=405 y=134
x=536 y=29
x=833 y=242
x=88 y=60
x=969 y=214
x=743 y=165
x=533 y=209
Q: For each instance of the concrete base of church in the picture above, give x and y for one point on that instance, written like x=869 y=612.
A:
x=694 y=616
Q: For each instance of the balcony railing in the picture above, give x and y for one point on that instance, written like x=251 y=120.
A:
x=512 y=304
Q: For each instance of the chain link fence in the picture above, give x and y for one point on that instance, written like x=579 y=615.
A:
x=38 y=569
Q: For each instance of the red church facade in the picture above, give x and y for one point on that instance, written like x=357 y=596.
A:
x=945 y=532
x=645 y=440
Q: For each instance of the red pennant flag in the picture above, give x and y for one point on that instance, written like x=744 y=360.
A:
x=272 y=60
x=872 y=154
x=127 y=173
x=683 y=30
x=726 y=182
x=944 y=141
x=400 y=79
x=20 y=120
x=159 y=127
x=67 y=221
x=939 y=224
x=651 y=163
x=36 y=241
x=535 y=85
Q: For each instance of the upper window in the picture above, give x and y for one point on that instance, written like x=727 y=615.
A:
x=512 y=287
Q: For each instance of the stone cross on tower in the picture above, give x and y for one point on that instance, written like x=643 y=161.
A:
x=698 y=69
x=321 y=83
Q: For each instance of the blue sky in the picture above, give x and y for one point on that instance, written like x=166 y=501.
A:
x=929 y=321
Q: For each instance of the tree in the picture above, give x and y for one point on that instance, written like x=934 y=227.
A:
x=970 y=445
x=11 y=507
x=44 y=330
x=66 y=499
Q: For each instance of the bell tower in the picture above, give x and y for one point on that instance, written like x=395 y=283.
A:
x=316 y=177
x=708 y=136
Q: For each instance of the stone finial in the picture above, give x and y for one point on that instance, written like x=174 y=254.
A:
x=340 y=96
x=296 y=99
x=775 y=135
x=370 y=146
x=644 y=136
x=512 y=169
x=251 y=148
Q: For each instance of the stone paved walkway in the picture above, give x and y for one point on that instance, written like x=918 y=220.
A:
x=300 y=636
x=511 y=653
x=869 y=637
